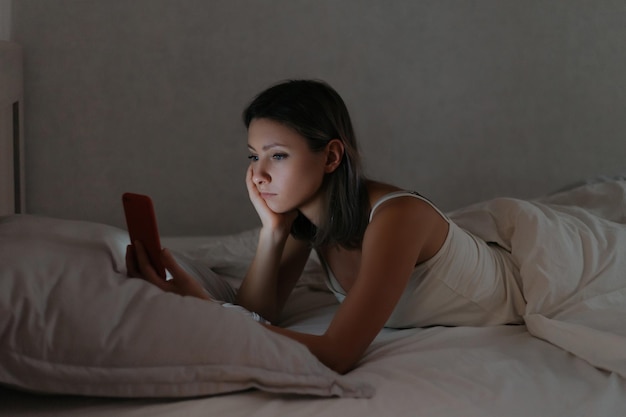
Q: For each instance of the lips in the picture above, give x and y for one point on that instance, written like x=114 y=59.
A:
x=267 y=195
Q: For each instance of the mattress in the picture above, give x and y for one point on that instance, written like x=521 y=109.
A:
x=438 y=371
x=434 y=371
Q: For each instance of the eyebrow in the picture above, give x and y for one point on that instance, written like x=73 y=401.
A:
x=266 y=147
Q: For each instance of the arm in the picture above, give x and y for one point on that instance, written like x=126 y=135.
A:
x=396 y=239
x=270 y=279
x=276 y=267
x=278 y=262
x=274 y=271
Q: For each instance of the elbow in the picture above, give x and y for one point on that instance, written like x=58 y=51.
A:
x=343 y=367
x=271 y=313
x=334 y=354
x=268 y=316
x=339 y=360
x=267 y=312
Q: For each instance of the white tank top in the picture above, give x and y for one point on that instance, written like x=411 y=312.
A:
x=468 y=282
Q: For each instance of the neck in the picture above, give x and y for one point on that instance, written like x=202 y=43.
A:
x=314 y=208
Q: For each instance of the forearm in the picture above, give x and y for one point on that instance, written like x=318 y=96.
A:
x=259 y=290
x=332 y=353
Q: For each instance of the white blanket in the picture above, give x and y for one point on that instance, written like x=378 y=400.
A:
x=571 y=251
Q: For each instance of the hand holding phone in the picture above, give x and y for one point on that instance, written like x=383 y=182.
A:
x=142 y=226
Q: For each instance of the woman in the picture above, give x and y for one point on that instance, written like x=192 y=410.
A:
x=378 y=243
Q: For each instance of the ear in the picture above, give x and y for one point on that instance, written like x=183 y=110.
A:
x=334 y=155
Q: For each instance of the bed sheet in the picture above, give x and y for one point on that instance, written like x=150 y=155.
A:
x=437 y=371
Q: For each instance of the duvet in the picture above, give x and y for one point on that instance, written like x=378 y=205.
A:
x=571 y=251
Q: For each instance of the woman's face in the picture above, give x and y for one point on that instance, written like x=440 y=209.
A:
x=286 y=172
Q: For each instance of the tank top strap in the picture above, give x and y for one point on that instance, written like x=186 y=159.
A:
x=396 y=194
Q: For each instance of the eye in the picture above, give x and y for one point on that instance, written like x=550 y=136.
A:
x=279 y=156
x=253 y=158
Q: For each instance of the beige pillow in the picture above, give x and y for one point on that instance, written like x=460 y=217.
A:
x=71 y=322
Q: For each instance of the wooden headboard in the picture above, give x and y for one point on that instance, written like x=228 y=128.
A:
x=12 y=199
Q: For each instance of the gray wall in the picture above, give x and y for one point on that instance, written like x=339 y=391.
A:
x=461 y=100
x=5 y=19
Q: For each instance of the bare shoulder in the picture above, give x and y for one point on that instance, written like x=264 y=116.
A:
x=407 y=211
x=411 y=206
x=407 y=220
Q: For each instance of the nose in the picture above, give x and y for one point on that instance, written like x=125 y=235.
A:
x=260 y=174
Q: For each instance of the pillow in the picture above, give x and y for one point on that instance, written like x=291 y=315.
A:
x=71 y=322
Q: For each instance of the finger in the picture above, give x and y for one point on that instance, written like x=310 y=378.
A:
x=248 y=174
x=131 y=262
x=169 y=262
x=145 y=267
x=249 y=182
x=183 y=283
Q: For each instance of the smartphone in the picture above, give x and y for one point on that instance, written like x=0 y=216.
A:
x=142 y=226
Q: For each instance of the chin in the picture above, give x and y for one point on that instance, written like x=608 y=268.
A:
x=276 y=208
x=280 y=209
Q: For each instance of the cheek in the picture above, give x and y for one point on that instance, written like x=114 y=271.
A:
x=296 y=188
x=307 y=185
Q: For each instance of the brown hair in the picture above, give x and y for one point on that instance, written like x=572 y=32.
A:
x=319 y=114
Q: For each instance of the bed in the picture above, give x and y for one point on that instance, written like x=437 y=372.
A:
x=79 y=338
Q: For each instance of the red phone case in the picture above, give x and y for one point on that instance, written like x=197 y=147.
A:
x=142 y=226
